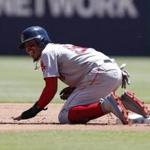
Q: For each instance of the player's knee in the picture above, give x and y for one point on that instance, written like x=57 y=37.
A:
x=63 y=116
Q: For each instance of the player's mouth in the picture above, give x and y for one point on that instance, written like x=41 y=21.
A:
x=35 y=58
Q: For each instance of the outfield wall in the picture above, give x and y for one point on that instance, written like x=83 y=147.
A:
x=116 y=27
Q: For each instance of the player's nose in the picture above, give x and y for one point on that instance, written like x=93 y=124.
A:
x=29 y=51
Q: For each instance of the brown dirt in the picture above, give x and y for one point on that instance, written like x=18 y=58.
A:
x=47 y=120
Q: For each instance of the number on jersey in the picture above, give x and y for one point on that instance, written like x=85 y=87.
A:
x=76 y=49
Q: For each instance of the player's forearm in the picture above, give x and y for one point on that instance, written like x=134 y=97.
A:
x=48 y=92
x=46 y=96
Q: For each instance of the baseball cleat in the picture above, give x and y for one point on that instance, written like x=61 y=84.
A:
x=114 y=105
x=122 y=114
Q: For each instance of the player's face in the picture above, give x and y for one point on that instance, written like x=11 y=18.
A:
x=33 y=50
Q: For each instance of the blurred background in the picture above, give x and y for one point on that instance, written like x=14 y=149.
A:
x=119 y=28
x=116 y=27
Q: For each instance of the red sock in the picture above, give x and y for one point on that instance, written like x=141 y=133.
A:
x=84 y=113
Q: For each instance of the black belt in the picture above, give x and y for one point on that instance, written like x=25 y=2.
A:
x=107 y=61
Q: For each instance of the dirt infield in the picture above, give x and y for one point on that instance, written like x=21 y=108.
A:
x=47 y=120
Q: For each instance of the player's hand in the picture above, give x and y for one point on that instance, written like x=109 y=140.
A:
x=17 y=118
x=66 y=92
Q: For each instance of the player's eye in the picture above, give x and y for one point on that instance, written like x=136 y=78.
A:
x=30 y=44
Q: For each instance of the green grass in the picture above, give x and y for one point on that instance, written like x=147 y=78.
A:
x=19 y=82
x=139 y=69
x=75 y=140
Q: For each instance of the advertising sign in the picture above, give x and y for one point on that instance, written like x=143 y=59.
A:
x=116 y=27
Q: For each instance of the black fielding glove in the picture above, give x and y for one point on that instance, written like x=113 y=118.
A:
x=30 y=113
x=66 y=92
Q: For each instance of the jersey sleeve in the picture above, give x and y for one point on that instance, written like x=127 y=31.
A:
x=49 y=65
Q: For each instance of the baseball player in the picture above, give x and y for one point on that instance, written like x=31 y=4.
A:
x=91 y=76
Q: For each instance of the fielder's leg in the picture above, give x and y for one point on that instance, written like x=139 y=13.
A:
x=132 y=103
x=85 y=113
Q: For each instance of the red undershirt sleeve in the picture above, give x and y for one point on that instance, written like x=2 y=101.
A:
x=48 y=92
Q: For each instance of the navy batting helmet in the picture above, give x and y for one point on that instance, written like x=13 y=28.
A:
x=36 y=33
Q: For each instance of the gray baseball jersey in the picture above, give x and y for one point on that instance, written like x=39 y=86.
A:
x=70 y=63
